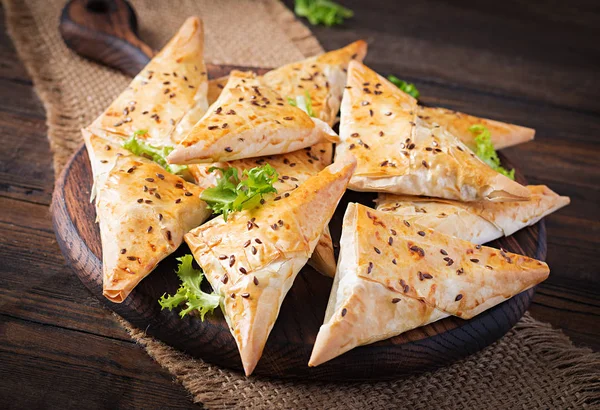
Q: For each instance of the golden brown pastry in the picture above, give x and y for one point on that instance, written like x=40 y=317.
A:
x=294 y=168
x=398 y=152
x=252 y=259
x=393 y=276
x=166 y=98
x=457 y=123
x=476 y=222
x=143 y=212
x=323 y=77
x=249 y=120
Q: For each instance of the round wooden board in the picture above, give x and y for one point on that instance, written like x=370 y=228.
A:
x=290 y=343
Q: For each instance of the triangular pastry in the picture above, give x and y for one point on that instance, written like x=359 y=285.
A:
x=393 y=276
x=252 y=259
x=249 y=120
x=323 y=77
x=143 y=212
x=457 y=123
x=476 y=222
x=398 y=152
x=166 y=98
x=294 y=168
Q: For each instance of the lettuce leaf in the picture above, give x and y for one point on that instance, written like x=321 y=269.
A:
x=156 y=154
x=189 y=292
x=303 y=102
x=485 y=150
x=232 y=194
x=408 y=88
x=324 y=12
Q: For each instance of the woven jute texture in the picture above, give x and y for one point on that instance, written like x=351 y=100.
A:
x=533 y=366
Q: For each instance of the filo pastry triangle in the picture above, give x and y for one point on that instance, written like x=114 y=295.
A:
x=294 y=169
x=476 y=222
x=143 y=212
x=323 y=78
x=393 y=276
x=252 y=259
x=249 y=120
x=398 y=152
x=502 y=134
x=166 y=98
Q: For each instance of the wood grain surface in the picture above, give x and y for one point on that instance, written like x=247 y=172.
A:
x=292 y=338
x=534 y=65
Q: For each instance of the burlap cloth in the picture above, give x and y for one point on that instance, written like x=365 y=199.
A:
x=533 y=366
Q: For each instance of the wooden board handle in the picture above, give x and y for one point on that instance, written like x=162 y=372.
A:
x=105 y=31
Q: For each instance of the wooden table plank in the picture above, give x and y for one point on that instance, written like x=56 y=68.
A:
x=532 y=64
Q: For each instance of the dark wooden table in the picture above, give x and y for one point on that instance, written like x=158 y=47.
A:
x=535 y=65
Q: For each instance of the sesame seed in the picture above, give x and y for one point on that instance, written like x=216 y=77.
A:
x=150 y=179
x=258 y=241
x=288 y=118
x=460 y=271
x=178 y=200
x=222 y=257
x=395 y=300
x=443 y=252
x=458 y=297
x=149 y=229
x=354 y=135
x=249 y=225
x=474 y=260
x=168 y=235
x=140 y=200
x=255 y=280
x=213 y=127
x=390 y=241
x=123 y=251
x=130 y=170
x=157 y=195
x=377 y=250
x=188 y=193
x=406 y=223
x=421 y=233
x=218 y=110
x=243 y=270
x=131 y=258
x=245 y=295
x=394 y=261
x=228 y=149
x=231 y=260
x=393 y=232
x=425 y=164
x=253 y=249
x=160 y=176
x=370 y=268
x=224 y=278
x=344 y=311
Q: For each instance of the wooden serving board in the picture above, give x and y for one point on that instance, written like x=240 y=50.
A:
x=290 y=343
x=106 y=31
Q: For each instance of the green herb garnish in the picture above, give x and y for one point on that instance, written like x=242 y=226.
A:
x=485 y=150
x=232 y=194
x=303 y=102
x=324 y=12
x=156 y=154
x=408 y=88
x=189 y=292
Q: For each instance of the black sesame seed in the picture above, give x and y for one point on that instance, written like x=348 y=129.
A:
x=188 y=193
x=421 y=233
x=123 y=251
x=344 y=311
x=370 y=268
x=255 y=280
x=243 y=270
x=395 y=300
x=406 y=223
x=458 y=297
x=224 y=278
x=377 y=250
x=475 y=260
x=231 y=260
x=245 y=295
x=443 y=252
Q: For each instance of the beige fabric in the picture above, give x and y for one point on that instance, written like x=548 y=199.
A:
x=533 y=366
